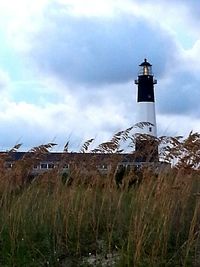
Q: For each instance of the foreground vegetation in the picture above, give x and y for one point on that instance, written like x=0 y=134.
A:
x=155 y=223
x=94 y=222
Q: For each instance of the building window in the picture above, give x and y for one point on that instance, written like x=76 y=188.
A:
x=51 y=166
x=128 y=167
x=105 y=167
x=150 y=129
x=9 y=165
x=35 y=166
x=43 y=166
x=102 y=167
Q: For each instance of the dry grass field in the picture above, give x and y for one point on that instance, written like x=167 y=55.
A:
x=86 y=219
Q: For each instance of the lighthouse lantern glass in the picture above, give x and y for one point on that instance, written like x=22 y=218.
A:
x=145 y=70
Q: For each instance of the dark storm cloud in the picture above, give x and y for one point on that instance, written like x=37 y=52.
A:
x=181 y=95
x=98 y=51
x=104 y=51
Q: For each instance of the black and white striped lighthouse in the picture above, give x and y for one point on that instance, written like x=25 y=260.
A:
x=146 y=113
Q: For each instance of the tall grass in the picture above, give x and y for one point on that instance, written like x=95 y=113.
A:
x=94 y=222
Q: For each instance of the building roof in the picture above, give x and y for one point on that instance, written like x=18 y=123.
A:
x=69 y=157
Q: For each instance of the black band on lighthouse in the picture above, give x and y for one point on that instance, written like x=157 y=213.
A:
x=145 y=88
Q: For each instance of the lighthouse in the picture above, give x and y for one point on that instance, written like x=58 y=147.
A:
x=146 y=146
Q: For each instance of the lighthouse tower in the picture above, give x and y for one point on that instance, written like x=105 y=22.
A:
x=147 y=149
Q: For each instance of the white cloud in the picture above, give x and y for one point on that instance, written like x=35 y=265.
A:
x=34 y=125
x=4 y=80
x=86 y=55
x=173 y=125
x=192 y=58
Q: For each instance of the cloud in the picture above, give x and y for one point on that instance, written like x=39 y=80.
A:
x=97 y=51
x=173 y=125
x=192 y=6
x=32 y=125
x=178 y=92
x=101 y=53
x=4 y=80
x=180 y=95
x=184 y=9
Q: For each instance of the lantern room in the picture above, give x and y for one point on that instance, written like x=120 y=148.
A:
x=145 y=73
x=145 y=68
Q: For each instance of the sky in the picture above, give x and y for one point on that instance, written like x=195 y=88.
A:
x=67 y=68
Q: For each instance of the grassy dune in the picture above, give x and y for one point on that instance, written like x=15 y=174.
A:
x=155 y=223
x=94 y=222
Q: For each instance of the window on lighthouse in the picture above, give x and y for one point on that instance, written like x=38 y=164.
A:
x=145 y=70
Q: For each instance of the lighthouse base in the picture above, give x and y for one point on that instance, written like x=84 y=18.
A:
x=146 y=149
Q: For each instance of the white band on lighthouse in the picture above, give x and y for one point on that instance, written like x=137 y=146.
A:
x=146 y=113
